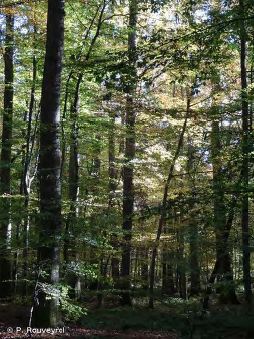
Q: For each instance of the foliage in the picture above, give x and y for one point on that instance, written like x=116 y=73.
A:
x=186 y=57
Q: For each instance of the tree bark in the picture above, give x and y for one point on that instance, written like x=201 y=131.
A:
x=112 y=173
x=144 y=267
x=224 y=265
x=128 y=189
x=5 y=175
x=245 y=163
x=218 y=263
x=193 y=230
x=194 y=263
x=70 y=252
x=46 y=311
x=168 y=285
x=64 y=115
x=181 y=269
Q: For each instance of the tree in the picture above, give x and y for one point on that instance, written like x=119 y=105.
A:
x=164 y=203
x=46 y=310
x=223 y=260
x=129 y=154
x=73 y=188
x=193 y=229
x=5 y=176
x=153 y=183
x=245 y=160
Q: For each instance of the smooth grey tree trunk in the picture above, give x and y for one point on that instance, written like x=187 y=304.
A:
x=46 y=311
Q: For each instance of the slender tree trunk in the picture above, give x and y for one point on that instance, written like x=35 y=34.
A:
x=164 y=207
x=112 y=173
x=168 y=285
x=144 y=267
x=63 y=123
x=245 y=161
x=5 y=175
x=46 y=305
x=193 y=231
x=73 y=163
x=252 y=98
x=26 y=179
x=70 y=252
x=224 y=272
x=128 y=189
x=181 y=265
x=218 y=264
x=70 y=247
x=194 y=263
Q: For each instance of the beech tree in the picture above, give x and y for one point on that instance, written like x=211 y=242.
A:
x=5 y=162
x=47 y=295
x=245 y=158
x=128 y=185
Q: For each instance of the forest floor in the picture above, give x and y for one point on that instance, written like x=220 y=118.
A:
x=174 y=321
x=14 y=319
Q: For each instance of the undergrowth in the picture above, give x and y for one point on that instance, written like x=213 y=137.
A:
x=183 y=317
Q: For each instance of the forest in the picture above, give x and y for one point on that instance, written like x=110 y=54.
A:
x=126 y=169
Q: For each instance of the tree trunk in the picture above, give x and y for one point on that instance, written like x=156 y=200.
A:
x=112 y=173
x=144 y=267
x=252 y=98
x=168 y=285
x=5 y=175
x=193 y=230
x=224 y=271
x=64 y=114
x=27 y=179
x=218 y=263
x=46 y=306
x=181 y=265
x=70 y=252
x=164 y=206
x=128 y=189
x=194 y=264
x=245 y=162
